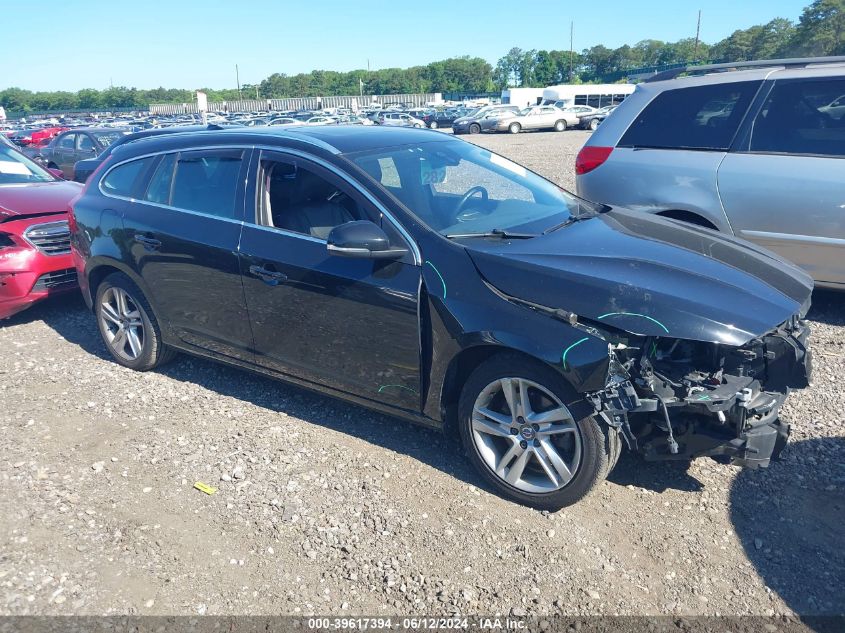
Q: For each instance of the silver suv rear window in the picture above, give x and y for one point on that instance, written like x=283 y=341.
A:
x=698 y=117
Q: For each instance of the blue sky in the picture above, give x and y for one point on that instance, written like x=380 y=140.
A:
x=63 y=45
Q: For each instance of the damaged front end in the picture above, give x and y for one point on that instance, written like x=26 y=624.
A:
x=681 y=399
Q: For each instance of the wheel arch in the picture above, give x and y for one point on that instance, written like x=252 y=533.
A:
x=469 y=359
x=98 y=268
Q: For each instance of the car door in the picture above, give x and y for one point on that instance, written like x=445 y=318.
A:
x=183 y=224
x=782 y=186
x=347 y=323
x=65 y=150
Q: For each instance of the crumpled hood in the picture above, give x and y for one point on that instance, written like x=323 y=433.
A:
x=650 y=276
x=42 y=197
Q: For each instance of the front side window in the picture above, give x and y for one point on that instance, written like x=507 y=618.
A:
x=802 y=117
x=85 y=143
x=123 y=179
x=457 y=188
x=700 y=117
x=207 y=181
x=299 y=199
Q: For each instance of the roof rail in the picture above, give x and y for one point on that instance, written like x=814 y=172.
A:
x=795 y=62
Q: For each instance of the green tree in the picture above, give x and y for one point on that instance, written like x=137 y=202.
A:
x=821 y=29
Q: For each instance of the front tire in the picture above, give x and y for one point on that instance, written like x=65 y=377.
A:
x=128 y=325
x=520 y=435
x=475 y=129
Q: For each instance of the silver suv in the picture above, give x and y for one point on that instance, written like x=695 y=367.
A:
x=757 y=151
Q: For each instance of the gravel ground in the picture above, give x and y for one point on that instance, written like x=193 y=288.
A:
x=323 y=507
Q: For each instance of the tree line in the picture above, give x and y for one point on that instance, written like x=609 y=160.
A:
x=819 y=31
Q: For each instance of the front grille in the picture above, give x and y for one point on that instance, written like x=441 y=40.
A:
x=52 y=238
x=56 y=280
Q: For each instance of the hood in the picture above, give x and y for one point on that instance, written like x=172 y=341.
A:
x=649 y=276
x=42 y=197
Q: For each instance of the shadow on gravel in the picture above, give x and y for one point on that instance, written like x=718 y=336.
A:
x=633 y=470
x=74 y=322
x=791 y=521
x=828 y=307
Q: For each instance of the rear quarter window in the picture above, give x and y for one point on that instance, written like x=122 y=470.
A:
x=123 y=179
x=698 y=117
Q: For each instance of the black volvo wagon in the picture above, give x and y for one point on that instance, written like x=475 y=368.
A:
x=420 y=275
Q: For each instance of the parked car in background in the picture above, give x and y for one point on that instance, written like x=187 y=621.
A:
x=536 y=118
x=285 y=120
x=440 y=119
x=578 y=110
x=388 y=267
x=482 y=119
x=35 y=257
x=745 y=148
x=399 y=119
x=68 y=148
x=593 y=120
x=83 y=169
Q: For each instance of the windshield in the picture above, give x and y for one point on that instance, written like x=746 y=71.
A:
x=17 y=169
x=107 y=138
x=458 y=188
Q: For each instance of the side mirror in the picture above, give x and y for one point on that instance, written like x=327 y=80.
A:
x=361 y=238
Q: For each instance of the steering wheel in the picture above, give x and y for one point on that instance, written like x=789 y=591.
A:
x=460 y=214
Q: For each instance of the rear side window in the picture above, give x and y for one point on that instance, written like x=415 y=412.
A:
x=158 y=190
x=700 y=117
x=122 y=180
x=802 y=117
x=207 y=181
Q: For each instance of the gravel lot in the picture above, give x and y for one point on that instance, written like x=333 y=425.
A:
x=326 y=508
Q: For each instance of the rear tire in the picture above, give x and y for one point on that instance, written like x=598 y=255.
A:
x=128 y=326
x=514 y=128
x=475 y=129
x=553 y=464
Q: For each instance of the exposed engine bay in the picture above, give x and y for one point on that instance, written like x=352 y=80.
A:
x=679 y=399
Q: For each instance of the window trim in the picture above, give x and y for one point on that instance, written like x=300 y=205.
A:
x=738 y=132
x=254 y=151
x=247 y=159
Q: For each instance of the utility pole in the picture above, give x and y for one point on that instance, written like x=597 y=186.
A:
x=238 y=79
x=697 y=34
x=256 y=92
x=571 y=47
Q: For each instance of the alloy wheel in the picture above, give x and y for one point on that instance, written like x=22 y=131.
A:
x=122 y=323
x=526 y=436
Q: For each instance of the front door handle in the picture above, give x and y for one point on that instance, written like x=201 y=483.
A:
x=270 y=277
x=149 y=243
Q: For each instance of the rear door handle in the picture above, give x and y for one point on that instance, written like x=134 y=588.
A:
x=149 y=243
x=270 y=277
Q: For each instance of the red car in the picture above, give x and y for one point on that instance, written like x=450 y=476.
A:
x=35 y=259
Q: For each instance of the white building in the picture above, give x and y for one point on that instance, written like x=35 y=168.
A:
x=595 y=95
x=522 y=97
